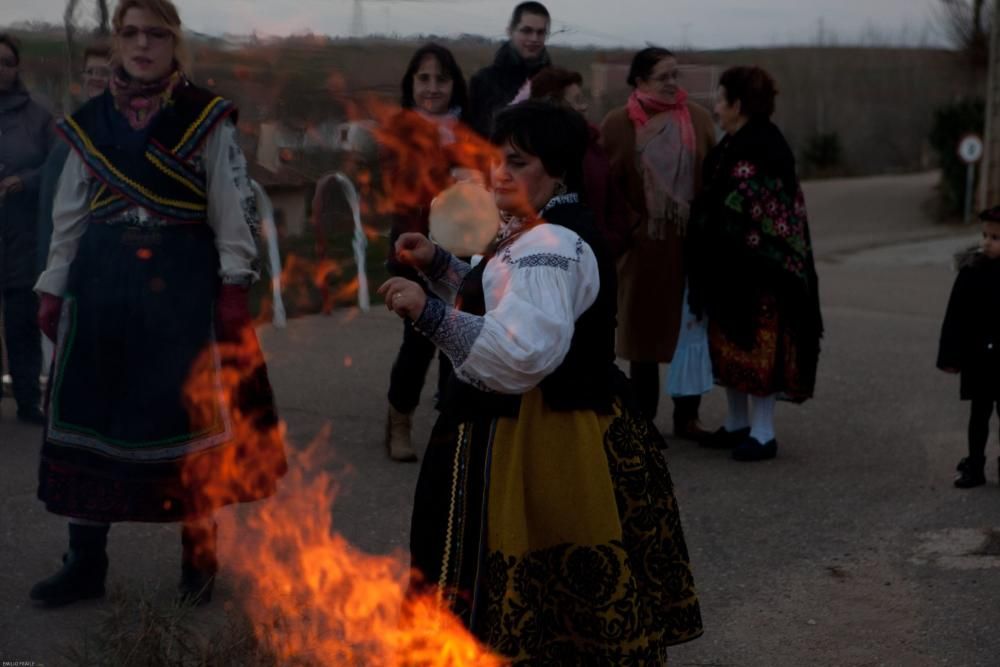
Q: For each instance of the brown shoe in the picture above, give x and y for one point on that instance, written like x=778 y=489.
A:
x=691 y=430
x=397 y=437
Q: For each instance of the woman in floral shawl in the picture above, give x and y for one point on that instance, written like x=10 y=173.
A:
x=752 y=267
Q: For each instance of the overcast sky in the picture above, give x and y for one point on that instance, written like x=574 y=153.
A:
x=674 y=23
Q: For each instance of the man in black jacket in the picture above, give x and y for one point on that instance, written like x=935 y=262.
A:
x=519 y=59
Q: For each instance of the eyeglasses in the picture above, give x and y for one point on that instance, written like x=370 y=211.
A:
x=97 y=72
x=9 y=63
x=675 y=75
x=154 y=34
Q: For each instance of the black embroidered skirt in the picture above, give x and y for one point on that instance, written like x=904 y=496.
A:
x=555 y=536
x=139 y=425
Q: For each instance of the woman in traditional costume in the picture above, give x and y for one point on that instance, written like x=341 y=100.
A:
x=752 y=267
x=544 y=512
x=145 y=293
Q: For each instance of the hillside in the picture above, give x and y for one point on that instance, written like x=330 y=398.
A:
x=878 y=102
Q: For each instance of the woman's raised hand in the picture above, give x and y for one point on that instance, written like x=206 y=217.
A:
x=415 y=250
x=404 y=297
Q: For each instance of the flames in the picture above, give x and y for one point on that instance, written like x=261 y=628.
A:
x=419 y=156
x=312 y=597
x=416 y=161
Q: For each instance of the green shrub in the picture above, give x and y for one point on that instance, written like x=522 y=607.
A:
x=824 y=154
x=951 y=123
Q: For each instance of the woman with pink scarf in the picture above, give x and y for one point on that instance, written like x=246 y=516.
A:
x=656 y=144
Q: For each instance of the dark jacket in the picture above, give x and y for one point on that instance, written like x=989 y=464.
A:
x=604 y=197
x=26 y=137
x=651 y=272
x=494 y=87
x=970 y=335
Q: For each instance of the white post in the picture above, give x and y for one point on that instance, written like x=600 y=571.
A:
x=360 y=242
x=970 y=179
x=270 y=232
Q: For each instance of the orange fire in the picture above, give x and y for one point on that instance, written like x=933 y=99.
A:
x=417 y=165
x=306 y=287
x=313 y=598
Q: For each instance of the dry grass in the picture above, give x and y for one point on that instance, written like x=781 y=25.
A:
x=138 y=632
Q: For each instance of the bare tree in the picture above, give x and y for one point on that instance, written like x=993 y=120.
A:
x=72 y=21
x=966 y=23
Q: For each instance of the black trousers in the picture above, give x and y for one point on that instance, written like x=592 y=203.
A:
x=409 y=371
x=24 y=350
x=979 y=426
x=645 y=377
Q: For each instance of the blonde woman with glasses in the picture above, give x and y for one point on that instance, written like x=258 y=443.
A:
x=151 y=257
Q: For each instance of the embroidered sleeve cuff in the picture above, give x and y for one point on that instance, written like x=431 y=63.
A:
x=447 y=269
x=431 y=317
x=453 y=331
x=439 y=265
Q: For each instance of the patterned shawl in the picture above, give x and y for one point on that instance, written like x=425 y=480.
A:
x=751 y=232
x=667 y=155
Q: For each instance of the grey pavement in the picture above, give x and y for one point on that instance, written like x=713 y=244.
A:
x=851 y=548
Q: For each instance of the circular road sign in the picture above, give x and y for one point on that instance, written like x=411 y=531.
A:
x=970 y=149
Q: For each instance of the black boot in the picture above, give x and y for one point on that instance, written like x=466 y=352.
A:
x=199 y=562
x=970 y=472
x=84 y=569
x=752 y=449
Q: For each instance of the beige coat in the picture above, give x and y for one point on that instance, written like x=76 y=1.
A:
x=651 y=273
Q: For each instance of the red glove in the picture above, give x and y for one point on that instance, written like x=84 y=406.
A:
x=49 y=309
x=232 y=313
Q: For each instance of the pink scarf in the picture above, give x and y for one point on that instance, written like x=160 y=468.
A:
x=642 y=106
x=140 y=101
x=667 y=153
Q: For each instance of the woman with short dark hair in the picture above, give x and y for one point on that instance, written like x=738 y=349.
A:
x=559 y=85
x=26 y=140
x=544 y=512
x=656 y=143
x=600 y=192
x=753 y=266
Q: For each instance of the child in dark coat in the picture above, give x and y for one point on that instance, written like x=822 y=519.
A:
x=970 y=343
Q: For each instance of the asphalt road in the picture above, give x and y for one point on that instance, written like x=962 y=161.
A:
x=851 y=548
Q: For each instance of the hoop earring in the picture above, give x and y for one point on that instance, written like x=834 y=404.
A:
x=561 y=189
